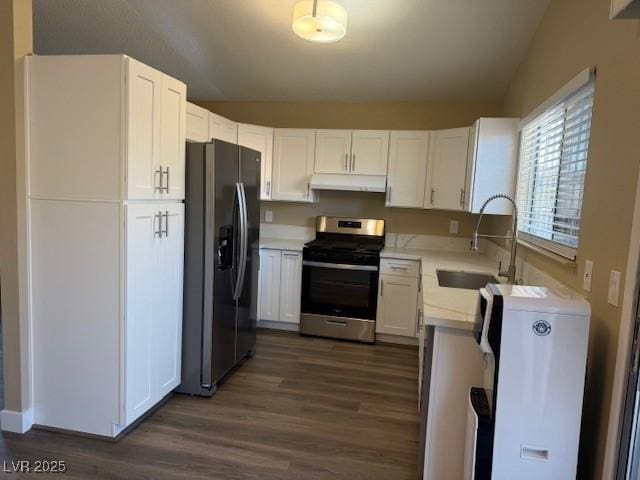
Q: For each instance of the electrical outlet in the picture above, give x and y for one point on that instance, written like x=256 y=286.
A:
x=453 y=226
x=614 y=288
x=588 y=273
x=268 y=216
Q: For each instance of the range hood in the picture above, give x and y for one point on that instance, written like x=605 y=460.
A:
x=356 y=183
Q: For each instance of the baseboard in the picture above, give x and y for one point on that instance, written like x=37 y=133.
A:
x=396 y=339
x=289 y=327
x=17 y=422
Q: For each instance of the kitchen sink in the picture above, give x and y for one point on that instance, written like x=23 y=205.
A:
x=467 y=280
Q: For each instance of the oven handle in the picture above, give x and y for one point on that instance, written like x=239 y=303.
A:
x=341 y=266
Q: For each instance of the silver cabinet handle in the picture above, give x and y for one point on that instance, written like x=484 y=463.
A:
x=400 y=268
x=337 y=324
x=166 y=223
x=268 y=187
x=166 y=187
x=381 y=287
x=433 y=191
x=294 y=255
x=308 y=190
x=157 y=175
x=346 y=161
x=157 y=232
x=462 y=197
x=353 y=162
x=389 y=194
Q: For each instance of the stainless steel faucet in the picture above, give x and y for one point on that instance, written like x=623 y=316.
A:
x=510 y=272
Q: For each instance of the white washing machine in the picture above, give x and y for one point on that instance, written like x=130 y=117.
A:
x=525 y=422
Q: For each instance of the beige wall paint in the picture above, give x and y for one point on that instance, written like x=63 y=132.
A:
x=573 y=35
x=384 y=116
x=17 y=41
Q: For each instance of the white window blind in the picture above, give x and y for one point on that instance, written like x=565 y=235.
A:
x=553 y=162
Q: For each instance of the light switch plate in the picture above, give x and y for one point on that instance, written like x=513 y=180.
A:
x=614 y=288
x=588 y=273
x=268 y=216
x=453 y=226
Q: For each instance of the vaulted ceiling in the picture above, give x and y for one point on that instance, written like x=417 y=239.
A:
x=394 y=50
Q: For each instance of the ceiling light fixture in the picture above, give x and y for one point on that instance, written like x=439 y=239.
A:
x=322 y=21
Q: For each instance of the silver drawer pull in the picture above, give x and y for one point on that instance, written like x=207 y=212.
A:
x=338 y=324
x=166 y=187
x=158 y=232
x=340 y=266
x=400 y=268
x=157 y=175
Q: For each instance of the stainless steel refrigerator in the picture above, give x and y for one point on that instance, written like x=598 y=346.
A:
x=222 y=228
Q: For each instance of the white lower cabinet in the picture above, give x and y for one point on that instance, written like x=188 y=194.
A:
x=153 y=315
x=452 y=364
x=280 y=285
x=397 y=298
x=270 y=265
x=107 y=311
x=290 y=286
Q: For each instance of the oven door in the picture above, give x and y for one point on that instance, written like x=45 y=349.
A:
x=340 y=290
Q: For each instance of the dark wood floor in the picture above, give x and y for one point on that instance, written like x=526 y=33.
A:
x=302 y=408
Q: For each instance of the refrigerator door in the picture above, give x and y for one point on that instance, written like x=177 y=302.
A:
x=247 y=302
x=222 y=160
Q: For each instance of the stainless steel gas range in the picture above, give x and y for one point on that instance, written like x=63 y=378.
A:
x=340 y=278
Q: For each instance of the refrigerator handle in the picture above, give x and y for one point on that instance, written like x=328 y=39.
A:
x=244 y=235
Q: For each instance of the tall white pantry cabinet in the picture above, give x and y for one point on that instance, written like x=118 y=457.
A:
x=106 y=157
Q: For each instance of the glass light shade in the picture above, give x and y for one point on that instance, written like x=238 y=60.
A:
x=328 y=25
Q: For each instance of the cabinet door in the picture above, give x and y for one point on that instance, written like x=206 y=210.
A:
x=492 y=164
x=172 y=137
x=447 y=167
x=369 y=152
x=407 y=172
x=333 y=150
x=197 y=123
x=290 y=286
x=397 y=310
x=222 y=128
x=293 y=152
x=144 y=94
x=142 y=241
x=167 y=300
x=260 y=139
x=270 y=264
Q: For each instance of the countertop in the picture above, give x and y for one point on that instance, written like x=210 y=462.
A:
x=443 y=306
x=282 y=243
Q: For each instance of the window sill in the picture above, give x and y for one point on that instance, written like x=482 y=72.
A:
x=548 y=254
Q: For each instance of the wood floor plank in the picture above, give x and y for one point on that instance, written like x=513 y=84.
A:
x=303 y=408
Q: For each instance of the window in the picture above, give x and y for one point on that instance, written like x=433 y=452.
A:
x=553 y=162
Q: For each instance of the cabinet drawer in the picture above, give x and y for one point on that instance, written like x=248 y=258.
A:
x=401 y=268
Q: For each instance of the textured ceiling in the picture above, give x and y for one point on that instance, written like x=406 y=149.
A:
x=394 y=50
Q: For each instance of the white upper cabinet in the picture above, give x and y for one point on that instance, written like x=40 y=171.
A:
x=293 y=158
x=144 y=93
x=492 y=164
x=260 y=139
x=114 y=122
x=446 y=169
x=625 y=9
x=361 y=152
x=156 y=107
x=369 y=152
x=222 y=128
x=333 y=151
x=407 y=171
x=172 y=137
x=197 y=124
